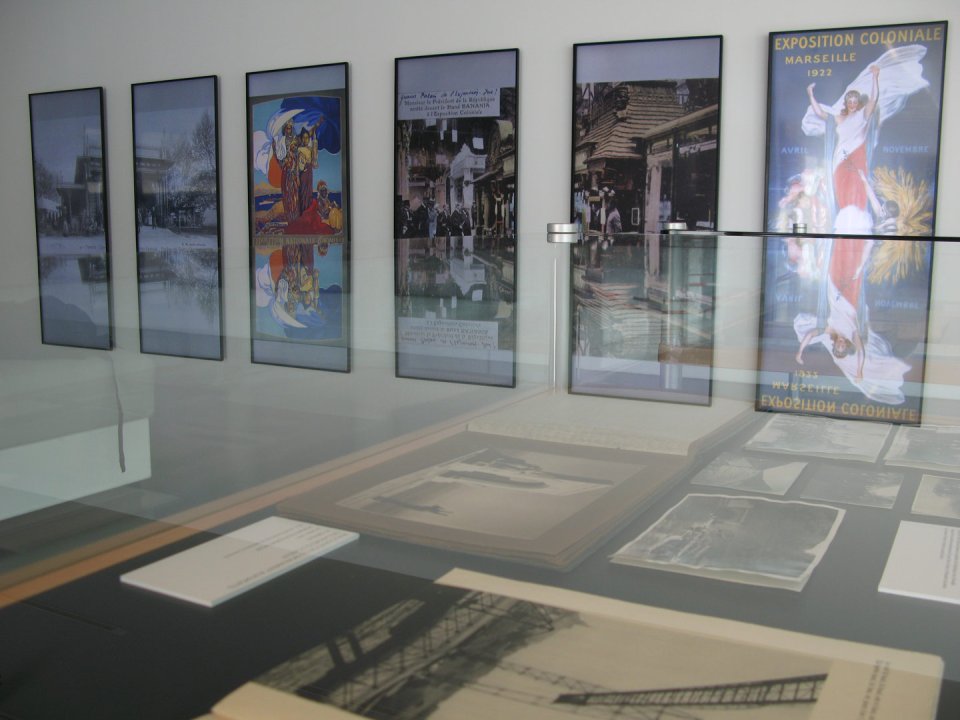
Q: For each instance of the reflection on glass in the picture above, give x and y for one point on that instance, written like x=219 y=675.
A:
x=643 y=310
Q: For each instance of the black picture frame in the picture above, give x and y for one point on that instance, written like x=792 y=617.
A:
x=71 y=208
x=176 y=166
x=851 y=188
x=455 y=216
x=828 y=65
x=645 y=153
x=300 y=265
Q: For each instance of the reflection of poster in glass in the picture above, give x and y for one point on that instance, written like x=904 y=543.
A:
x=299 y=216
x=176 y=182
x=854 y=129
x=646 y=131
x=70 y=196
x=844 y=327
x=456 y=217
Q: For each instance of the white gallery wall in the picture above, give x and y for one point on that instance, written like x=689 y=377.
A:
x=48 y=45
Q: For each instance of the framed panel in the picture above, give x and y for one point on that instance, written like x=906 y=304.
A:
x=70 y=201
x=844 y=324
x=456 y=217
x=646 y=142
x=299 y=191
x=177 y=202
x=853 y=129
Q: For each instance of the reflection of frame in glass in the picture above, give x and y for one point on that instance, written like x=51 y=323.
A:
x=177 y=210
x=646 y=132
x=455 y=217
x=299 y=193
x=70 y=200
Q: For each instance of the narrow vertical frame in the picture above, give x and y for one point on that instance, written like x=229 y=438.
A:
x=646 y=145
x=298 y=174
x=67 y=132
x=176 y=164
x=455 y=211
x=853 y=144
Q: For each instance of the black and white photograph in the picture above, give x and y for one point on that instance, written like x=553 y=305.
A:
x=465 y=655
x=543 y=503
x=753 y=540
x=646 y=140
x=176 y=182
x=938 y=496
x=70 y=196
x=853 y=486
x=751 y=473
x=821 y=437
x=516 y=494
x=928 y=448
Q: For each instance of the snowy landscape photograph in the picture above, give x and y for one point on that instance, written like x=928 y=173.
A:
x=177 y=216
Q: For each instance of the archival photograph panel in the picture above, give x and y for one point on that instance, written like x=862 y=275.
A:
x=646 y=135
x=70 y=201
x=177 y=206
x=772 y=543
x=455 y=217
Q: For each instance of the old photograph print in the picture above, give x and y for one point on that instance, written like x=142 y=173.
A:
x=456 y=217
x=931 y=448
x=176 y=184
x=939 y=496
x=299 y=216
x=752 y=540
x=451 y=654
x=508 y=493
x=751 y=473
x=854 y=486
x=646 y=133
x=70 y=195
x=820 y=437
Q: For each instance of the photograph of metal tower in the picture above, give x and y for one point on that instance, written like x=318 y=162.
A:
x=452 y=653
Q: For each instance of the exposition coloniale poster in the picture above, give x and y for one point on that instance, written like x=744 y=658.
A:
x=853 y=146
x=177 y=203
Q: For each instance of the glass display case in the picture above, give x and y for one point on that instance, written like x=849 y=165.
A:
x=729 y=469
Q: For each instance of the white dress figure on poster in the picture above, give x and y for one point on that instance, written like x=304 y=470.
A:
x=842 y=325
x=850 y=125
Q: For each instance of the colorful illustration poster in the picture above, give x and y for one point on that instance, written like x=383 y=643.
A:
x=299 y=217
x=854 y=129
x=646 y=135
x=177 y=198
x=456 y=217
x=70 y=200
x=854 y=139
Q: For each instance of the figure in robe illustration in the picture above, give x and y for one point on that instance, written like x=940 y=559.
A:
x=850 y=128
